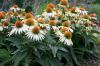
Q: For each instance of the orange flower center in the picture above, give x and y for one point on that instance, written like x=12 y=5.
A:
x=63 y=29
x=1 y=15
x=41 y=20
x=68 y=34
x=18 y=24
x=29 y=22
x=86 y=16
x=64 y=2
x=5 y=23
x=66 y=23
x=28 y=15
x=36 y=29
x=48 y=9
x=51 y=5
x=52 y=22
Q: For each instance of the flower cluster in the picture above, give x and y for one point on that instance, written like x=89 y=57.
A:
x=61 y=18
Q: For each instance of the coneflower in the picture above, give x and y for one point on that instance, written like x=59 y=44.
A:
x=48 y=9
x=66 y=23
x=52 y=22
x=68 y=34
x=5 y=23
x=51 y=5
x=41 y=20
x=28 y=15
x=36 y=34
x=18 y=24
x=64 y=2
x=63 y=29
x=36 y=29
x=29 y=22
x=18 y=28
x=1 y=15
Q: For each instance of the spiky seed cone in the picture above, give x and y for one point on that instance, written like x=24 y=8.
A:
x=48 y=9
x=1 y=15
x=51 y=5
x=28 y=15
x=64 y=2
x=29 y=22
x=36 y=29
x=63 y=29
x=5 y=23
x=52 y=22
x=68 y=34
x=66 y=23
x=18 y=24
x=41 y=20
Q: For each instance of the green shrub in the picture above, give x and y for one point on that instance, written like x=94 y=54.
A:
x=95 y=8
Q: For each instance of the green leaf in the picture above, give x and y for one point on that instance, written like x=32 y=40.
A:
x=54 y=50
x=4 y=55
x=63 y=49
x=54 y=62
x=18 y=57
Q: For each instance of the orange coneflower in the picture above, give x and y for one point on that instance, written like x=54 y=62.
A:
x=28 y=15
x=36 y=34
x=63 y=29
x=68 y=34
x=48 y=9
x=65 y=37
x=64 y=2
x=18 y=24
x=52 y=22
x=1 y=15
x=18 y=28
x=66 y=23
x=51 y=5
x=36 y=29
x=41 y=20
x=5 y=23
x=29 y=22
